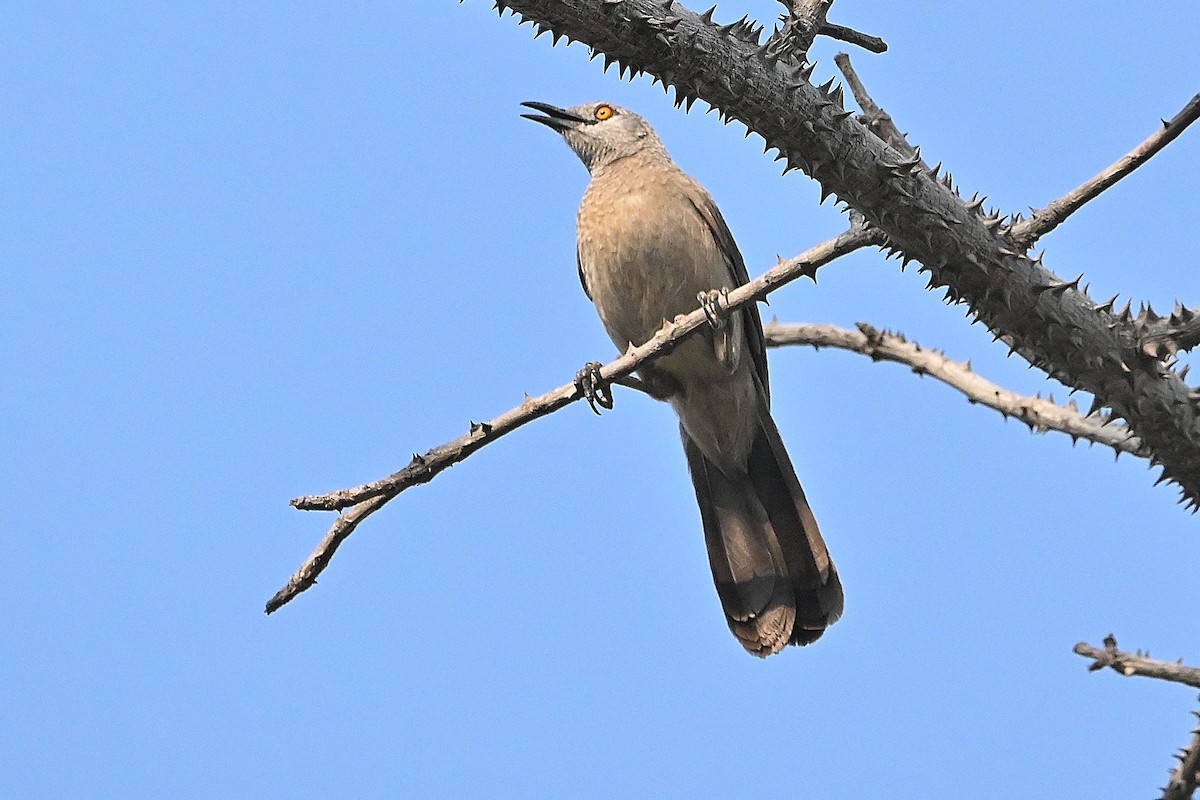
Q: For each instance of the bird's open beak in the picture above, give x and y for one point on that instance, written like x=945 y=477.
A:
x=557 y=118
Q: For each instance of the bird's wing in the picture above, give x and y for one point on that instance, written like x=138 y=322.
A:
x=708 y=211
x=582 y=274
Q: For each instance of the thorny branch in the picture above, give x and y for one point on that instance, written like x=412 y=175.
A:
x=365 y=500
x=1047 y=219
x=1186 y=774
x=1039 y=414
x=1137 y=663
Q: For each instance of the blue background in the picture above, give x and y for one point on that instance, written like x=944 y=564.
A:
x=251 y=251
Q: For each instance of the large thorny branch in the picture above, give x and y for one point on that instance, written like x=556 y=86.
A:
x=898 y=203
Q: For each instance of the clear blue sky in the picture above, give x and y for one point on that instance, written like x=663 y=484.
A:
x=253 y=251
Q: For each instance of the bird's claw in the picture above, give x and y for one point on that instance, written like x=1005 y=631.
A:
x=596 y=390
x=713 y=303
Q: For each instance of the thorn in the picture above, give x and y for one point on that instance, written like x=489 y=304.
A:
x=1061 y=288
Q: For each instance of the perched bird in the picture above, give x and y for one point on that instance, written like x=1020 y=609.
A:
x=651 y=246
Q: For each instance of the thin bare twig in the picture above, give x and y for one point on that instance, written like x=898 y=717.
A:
x=1137 y=663
x=866 y=41
x=1039 y=414
x=1047 y=219
x=364 y=500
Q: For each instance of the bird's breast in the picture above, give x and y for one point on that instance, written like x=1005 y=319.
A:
x=645 y=254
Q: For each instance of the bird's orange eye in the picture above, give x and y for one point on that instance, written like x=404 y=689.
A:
x=604 y=112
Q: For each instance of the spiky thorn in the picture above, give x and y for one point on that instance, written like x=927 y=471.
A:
x=1064 y=286
x=838 y=96
x=881 y=345
x=751 y=32
x=1047 y=219
x=993 y=224
x=728 y=30
x=361 y=501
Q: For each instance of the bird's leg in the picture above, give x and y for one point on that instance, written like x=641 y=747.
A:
x=713 y=302
x=594 y=387
x=653 y=382
x=650 y=381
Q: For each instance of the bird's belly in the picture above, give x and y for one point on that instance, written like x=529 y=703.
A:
x=719 y=411
x=646 y=282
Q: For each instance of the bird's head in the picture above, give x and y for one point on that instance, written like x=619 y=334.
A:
x=599 y=133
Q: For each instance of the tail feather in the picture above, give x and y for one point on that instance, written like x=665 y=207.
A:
x=814 y=577
x=747 y=562
x=773 y=573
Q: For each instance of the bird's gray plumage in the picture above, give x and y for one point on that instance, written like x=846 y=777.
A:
x=650 y=238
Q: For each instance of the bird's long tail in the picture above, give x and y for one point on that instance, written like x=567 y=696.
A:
x=773 y=573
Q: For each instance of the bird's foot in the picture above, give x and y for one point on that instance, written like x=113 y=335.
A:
x=595 y=389
x=713 y=302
